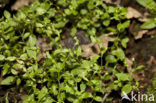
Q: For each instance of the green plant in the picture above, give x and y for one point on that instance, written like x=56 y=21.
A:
x=151 y=6
x=64 y=75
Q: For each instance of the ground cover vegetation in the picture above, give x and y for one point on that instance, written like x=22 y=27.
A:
x=36 y=67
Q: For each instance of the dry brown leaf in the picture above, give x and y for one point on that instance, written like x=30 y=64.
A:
x=21 y=4
x=88 y=52
x=115 y=2
x=140 y=34
x=133 y=13
x=44 y=46
x=129 y=69
x=152 y=32
x=145 y=17
x=105 y=40
x=151 y=60
x=136 y=30
x=93 y=49
x=41 y=57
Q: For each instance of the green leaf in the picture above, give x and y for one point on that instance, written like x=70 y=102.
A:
x=69 y=89
x=83 y=87
x=106 y=22
x=138 y=68
x=144 y=2
x=6 y=98
x=149 y=4
x=82 y=71
x=32 y=53
x=29 y=99
x=92 y=32
x=39 y=25
x=49 y=100
x=73 y=31
x=2 y=57
x=126 y=88
x=7 y=14
x=17 y=65
x=123 y=76
x=11 y=58
x=52 y=12
x=83 y=11
x=26 y=35
x=149 y=24
x=124 y=42
x=40 y=11
x=62 y=3
x=91 y=5
x=78 y=51
x=42 y=93
x=18 y=81
x=24 y=56
x=61 y=24
x=5 y=69
x=86 y=95
x=32 y=40
x=14 y=72
x=21 y=15
x=98 y=98
x=67 y=11
x=122 y=26
x=77 y=71
x=111 y=9
x=8 y=81
x=54 y=88
x=76 y=101
x=74 y=3
x=110 y=59
x=45 y=5
x=119 y=53
x=13 y=23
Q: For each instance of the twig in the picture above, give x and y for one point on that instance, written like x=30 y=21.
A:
x=105 y=96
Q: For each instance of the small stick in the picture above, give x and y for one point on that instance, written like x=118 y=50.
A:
x=105 y=96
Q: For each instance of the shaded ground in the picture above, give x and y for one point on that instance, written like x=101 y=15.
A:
x=144 y=52
x=142 y=49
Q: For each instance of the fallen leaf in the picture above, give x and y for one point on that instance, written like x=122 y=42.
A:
x=133 y=13
x=152 y=32
x=136 y=76
x=140 y=34
x=150 y=61
x=44 y=46
x=93 y=49
x=105 y=40
x=21 y=4
x=136 y=30
x=143 y=19
x=115 y=2
x=88 y=52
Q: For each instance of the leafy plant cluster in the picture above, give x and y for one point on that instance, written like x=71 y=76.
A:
x=151 y=6
x=64 y=75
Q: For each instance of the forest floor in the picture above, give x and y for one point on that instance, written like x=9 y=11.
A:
x=141 y=48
